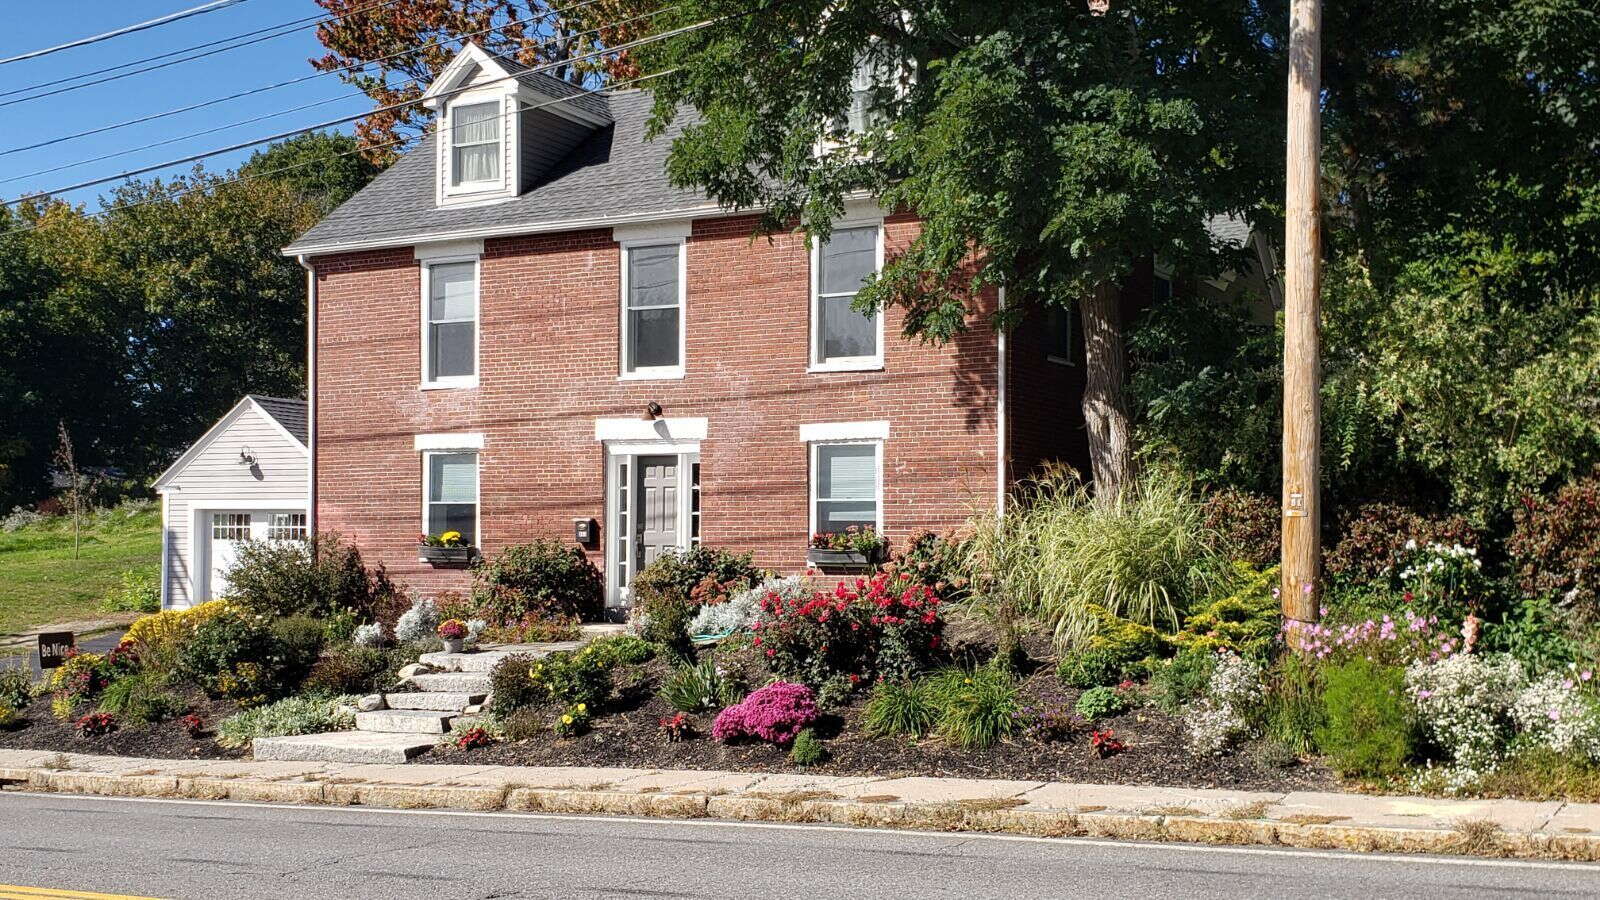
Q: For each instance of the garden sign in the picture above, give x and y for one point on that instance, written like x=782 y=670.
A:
x=53 y=648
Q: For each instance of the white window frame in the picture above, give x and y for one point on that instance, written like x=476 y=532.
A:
x=653 y=373
x=813 y=352
x=813 y=448
x=452 y=381
x=477 y=486
x=303 y=526
x=449 y=185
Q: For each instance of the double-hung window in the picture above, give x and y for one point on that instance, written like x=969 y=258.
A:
x=843 y=338
x=450 y=329
x=652 y=310
x=475 y=144
x=450 y=494
x=846 y=486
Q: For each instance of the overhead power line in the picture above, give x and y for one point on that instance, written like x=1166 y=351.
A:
x=182 y=192
x=202 y=9
x=281 y=30
x=282 y=84
x=393 y=107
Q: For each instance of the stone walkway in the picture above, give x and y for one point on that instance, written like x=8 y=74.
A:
x=1514 y=828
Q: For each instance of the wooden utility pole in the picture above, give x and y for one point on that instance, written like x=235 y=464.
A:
x=1300 y=593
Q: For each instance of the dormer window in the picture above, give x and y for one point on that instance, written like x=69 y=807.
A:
x=475 y=144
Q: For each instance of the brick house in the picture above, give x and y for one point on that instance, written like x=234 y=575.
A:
x=522 y=330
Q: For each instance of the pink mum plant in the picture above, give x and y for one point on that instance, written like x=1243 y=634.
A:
x=775 y=713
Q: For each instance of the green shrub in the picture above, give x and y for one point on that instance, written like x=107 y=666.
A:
x=299 y=641
x=16 y=686
x=233 y=656
x=1373 y=537
x=1366 y=729
x=1142 y=556
x=316 y=577
x=1181 y=679
x=139 y=591
x=942 y=563
x=807 y=749
x=663 y=593
x=1247 y=526
x=8 y=716
x=1245 y=622
x=510 y=688
x=1090 y=668
x=571 y=677
x=1542 y=636
x=700 y=687
x=142 y=698
x=907 y=709
x=289 y=716
x=348 y=669
x=976 y=709
x=623 y=650
x=1102 y=703
x=543 y=579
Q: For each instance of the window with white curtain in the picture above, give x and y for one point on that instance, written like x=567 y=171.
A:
x=845 y=488
x=450 y=492
x=450 y=340
x=842 y=336
x=652 y=326
x=475 y=143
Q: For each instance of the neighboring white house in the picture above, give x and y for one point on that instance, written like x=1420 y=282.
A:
x=247 y=478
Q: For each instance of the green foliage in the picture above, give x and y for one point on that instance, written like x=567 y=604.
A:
x=977 y=708
x=1102 y=703
x=510 y=688
x=322 y=576
x=1556 y=543
x=1182 y=679
x=139 y=591
x=1246 y=621
x=1373 y=538
x=1293 y=710
x=1142 y=556
x=16 y=686
x=700 y=687
x=1366 y=731
x=1543 y=637
x=299 y=641
x=808 y=749
x=939 y=561
x=347 y=669
x=234 y=656
x=623 y=650
x=142 y=698
x=289 y=716
x=905 y=709
x=573 y=677
x=543 y=579
x=1247 y=526
x=1090 y=668
x=323 y=168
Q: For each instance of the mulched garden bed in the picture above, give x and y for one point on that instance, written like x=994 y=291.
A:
x=39 y=730
x=629 y=735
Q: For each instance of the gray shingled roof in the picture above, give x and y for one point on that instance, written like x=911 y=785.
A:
x=615 y=173
x=291 y=414
x=589 y=101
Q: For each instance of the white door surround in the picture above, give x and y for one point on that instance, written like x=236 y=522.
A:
x=627 y=544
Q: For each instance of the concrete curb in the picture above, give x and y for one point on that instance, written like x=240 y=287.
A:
x=1003 y=811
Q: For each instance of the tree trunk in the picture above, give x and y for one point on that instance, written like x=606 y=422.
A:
x=1105 y=405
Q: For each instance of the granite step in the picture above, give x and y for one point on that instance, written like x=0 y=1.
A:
x=344 y=747
x=404 y=721
x=447 y=701
x=486 y=659
x=453 y=682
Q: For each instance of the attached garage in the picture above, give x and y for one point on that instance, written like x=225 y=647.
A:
x=246 y=479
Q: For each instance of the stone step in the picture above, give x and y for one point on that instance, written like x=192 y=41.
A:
x=404 y=721
x=448 y=701
x=344 y=747
x=453 y=682
x=484 y=661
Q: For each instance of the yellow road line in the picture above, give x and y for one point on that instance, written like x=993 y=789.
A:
x=18 y=892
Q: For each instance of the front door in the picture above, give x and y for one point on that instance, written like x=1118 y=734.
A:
x=656 y=525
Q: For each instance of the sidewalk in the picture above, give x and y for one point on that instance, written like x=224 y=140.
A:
x=1303 y=819
x=29 y=637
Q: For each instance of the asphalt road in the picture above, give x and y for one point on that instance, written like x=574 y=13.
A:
x=183 y=849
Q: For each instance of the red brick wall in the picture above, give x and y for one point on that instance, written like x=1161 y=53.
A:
x=548 y=368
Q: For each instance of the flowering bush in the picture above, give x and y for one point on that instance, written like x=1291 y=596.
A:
x=775 y=714
x=862 y=539
x=1220 y=716
x=675 y=727
x=1386 y=639
x=576 y=678
x=98 y=723
x=1559 y=712
x=1105 y=743
x=938 y=561
x=1373 y=537
x=888 y=626
x=743 y=609
x=193 y=725
x=81 y=677
x=1442 y=580
x=1464 y=702
x=452 y=630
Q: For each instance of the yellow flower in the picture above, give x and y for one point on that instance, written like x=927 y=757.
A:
x=583 y=707
x=566 y=720
x=450 y=537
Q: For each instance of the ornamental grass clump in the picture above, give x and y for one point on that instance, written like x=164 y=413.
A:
x=701 y=687
x=775 y=714
x=977 y=709
x=901 y=709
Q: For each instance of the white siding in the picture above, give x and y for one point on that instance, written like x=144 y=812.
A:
x=215 y=479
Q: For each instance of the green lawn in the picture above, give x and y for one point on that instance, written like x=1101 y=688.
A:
x=40 y=582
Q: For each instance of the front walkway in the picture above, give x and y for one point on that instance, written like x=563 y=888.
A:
x=1552 y=830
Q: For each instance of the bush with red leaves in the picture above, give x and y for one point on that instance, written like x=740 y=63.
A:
x=1373 y=536
x=1554 y=547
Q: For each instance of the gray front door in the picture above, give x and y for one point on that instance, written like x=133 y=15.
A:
x=656 y=493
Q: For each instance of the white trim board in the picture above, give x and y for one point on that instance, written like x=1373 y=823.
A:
x=472 y=440
x=845 y=431
x=694 y=429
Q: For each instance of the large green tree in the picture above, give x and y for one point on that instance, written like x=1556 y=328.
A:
x=1047 y=149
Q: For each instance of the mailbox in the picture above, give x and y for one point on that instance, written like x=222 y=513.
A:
x=584 y=531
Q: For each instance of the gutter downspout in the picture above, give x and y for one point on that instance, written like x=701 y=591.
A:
x=1000 y=421
x=311 y=394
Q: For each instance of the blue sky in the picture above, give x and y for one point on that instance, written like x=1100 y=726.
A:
x=31 y=26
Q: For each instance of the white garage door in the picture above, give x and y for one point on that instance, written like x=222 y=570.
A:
x=227 y=531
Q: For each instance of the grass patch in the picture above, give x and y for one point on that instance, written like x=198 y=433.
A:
x=1543 y=775
x=40 y=582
